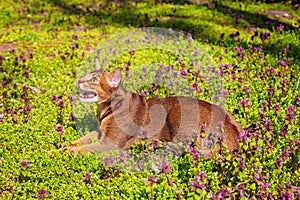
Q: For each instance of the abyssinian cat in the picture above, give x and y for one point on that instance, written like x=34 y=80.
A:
x=126 y=117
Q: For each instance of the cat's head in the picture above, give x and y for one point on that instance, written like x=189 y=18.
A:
x=99 y=85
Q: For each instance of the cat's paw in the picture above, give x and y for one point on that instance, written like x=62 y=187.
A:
x=75 y=150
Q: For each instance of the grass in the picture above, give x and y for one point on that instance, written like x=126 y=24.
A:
x=42 y=46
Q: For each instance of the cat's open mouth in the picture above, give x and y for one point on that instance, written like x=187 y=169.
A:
x=88 y=96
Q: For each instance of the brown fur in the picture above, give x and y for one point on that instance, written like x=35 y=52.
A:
x=120 y=127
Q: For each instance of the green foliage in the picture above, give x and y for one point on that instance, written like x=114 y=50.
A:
x=43 y=44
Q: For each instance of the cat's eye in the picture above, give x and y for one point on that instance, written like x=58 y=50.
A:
x=94 y=79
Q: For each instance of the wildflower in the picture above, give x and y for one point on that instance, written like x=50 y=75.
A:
x=144 y=68
x=26 y=73
x=71 y=117
x=59 y=129
x=223 y=193
x=280 y=27
x=290 y=116
x=1 y=115
x=152 y=179
x=279 y=162
x=131 y=52
x=284 y=51
x=61 y=104
x=71 y=98
x=264 y=35
x=298 y=101
x=54 y=98
x=165 y=167
x=155 y=143
x=194 y=152
x=284 y=132
x=25 y=87
x=182 y=72
x=202 y=175
x=285 y=153
x=87 y=176
x=197 y=185
x=195 y=85
x=196 y=53
x=28 y=108
x=265 y=185
x=42 y=193
x=244 y=102
x=25 y=163
x=282 y=63
x=270 y=91
x=238 y=39
x=109 y=160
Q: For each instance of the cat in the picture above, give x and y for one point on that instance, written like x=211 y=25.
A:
x=125 y=118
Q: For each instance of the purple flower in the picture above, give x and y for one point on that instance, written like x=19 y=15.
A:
x=144 y=68
x=67 y=53
x=72 y=117
x=59 y=129
x=155 y=143
x=270 y=91
x=202 y=175
x=284 y=51
x=298 y=101
x=280 y=27
x=246 y=89
x=165 y=167
x=182 y=72
x=244 y=102
x=222 y=193
x=195 y=85
x=152 y=87
x=241 y=194
x=279 y=162
x=131 y=52
x=28 y=108
x=61 y=104
x=265 y=35
x=152 y=179
x=25 y=87
x=284 y=132
x=243 y=164
x=54 y=98
x=194 y=152
x=282 y=63
x=87 y=176
x=290 y=116
x=26 y=73
x=42 y=193
x=196 y=53
x=109 y=160
x=285 y=153
x=71 y=98
x=25 y=163
x=238 y=39
x=1 y=115
x=195 y=185
x=265 y=185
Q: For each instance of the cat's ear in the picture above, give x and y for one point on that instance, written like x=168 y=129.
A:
x=97 y=65
x=115 y=79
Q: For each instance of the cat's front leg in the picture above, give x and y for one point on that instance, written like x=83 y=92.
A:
x=87 y=139
x=102 y=145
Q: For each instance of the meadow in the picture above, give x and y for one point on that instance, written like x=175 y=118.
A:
x=255 y=47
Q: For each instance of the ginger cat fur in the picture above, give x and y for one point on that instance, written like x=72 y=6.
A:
x=124 y=116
